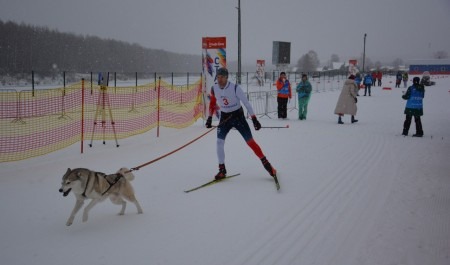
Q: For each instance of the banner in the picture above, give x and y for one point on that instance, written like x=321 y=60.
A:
x=352 y=70
x=213 y=57
x=260 y=71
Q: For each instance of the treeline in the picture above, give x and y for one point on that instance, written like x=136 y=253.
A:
x=25 y=48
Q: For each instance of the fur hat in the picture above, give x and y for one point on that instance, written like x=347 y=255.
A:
x=416 y=80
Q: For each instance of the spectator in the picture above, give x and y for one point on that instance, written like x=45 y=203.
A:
x=398 y=79
x=379 y=77
x=367 y=83
x=284 y=94
x=414 y=107
x=346 y=103
x=374 y=78
x=358 y=80
x=405 y=79
x=304 y=89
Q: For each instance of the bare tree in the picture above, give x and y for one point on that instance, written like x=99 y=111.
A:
x=396 y=63
x=441 y=55
x=308 y=62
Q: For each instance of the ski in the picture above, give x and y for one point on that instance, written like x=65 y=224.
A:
x=277 y=184
x=212 y=182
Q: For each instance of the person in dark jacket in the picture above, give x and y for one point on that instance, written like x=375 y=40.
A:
x=398 y=79
x=414 y=107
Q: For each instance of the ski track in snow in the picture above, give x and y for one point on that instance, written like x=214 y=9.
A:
x=352 y=194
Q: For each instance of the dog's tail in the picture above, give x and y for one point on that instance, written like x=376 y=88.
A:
x=126 y=173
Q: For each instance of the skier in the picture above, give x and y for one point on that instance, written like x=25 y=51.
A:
x=304 y=94
x=414 y=107
x=229 y=97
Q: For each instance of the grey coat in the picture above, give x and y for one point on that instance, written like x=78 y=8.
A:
x=346 y=103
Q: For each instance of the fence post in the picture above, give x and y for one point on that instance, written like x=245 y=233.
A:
x=64 y=83
x=91 y=85
x=32 y=83
x=82 y=114
x=158 y=108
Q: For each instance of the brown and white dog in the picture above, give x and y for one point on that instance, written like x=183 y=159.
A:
x=97 y=186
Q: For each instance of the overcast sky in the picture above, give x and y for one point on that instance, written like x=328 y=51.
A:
x=407 y=29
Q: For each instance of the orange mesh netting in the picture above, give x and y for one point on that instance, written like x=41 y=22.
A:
x=38 y=122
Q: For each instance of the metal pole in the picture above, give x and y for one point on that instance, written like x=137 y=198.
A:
x=364 y=51
x=239 y=42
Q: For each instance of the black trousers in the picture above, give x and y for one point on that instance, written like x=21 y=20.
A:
x=367 y=88
x=282 y=107
x=407 y=124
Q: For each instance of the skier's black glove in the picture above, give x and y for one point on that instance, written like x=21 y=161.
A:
x=209 y=122
x=256 y=123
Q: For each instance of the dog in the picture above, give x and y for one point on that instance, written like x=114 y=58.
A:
x=97 y=186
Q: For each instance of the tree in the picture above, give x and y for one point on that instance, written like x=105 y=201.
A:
x=441 y=55
x=335 y=58
x=378 y=65
x=308 y=62
x=396 y=63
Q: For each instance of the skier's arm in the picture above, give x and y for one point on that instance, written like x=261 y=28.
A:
x=241 y=96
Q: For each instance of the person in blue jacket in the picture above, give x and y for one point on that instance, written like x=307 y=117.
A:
x=358 y=82
x=414 y=107
x=367 y=83
x=303 y=89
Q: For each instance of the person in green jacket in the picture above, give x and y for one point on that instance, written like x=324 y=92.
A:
x=304 y=89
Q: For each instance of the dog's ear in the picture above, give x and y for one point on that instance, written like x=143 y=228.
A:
x=68 y=170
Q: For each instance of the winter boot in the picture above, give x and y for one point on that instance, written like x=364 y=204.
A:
x=405 y=132
x=353 y=119
x=222 y=172
x=406 y=125
x=419 y=130
x=268 y=166
x=340 y=120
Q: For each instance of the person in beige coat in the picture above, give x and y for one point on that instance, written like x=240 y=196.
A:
x=346 y=103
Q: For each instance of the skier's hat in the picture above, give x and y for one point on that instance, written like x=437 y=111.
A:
x=222 y=71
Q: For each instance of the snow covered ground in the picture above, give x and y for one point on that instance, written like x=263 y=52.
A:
x=352 y=194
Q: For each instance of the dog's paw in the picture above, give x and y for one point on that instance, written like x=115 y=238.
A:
x=140 y=212
x=85 y=218
x=69 y=223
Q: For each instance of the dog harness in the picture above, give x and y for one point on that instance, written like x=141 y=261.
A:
x=112 y=183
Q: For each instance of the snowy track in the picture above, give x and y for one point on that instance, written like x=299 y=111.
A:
x=352 y=194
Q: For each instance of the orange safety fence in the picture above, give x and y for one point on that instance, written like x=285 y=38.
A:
x=41 y=121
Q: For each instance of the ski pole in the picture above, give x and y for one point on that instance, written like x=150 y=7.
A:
x=275 y=127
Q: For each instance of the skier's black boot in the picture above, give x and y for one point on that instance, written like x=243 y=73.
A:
x=340 y=120
x=222 y=172
x=268 y=166
x=353 y=119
